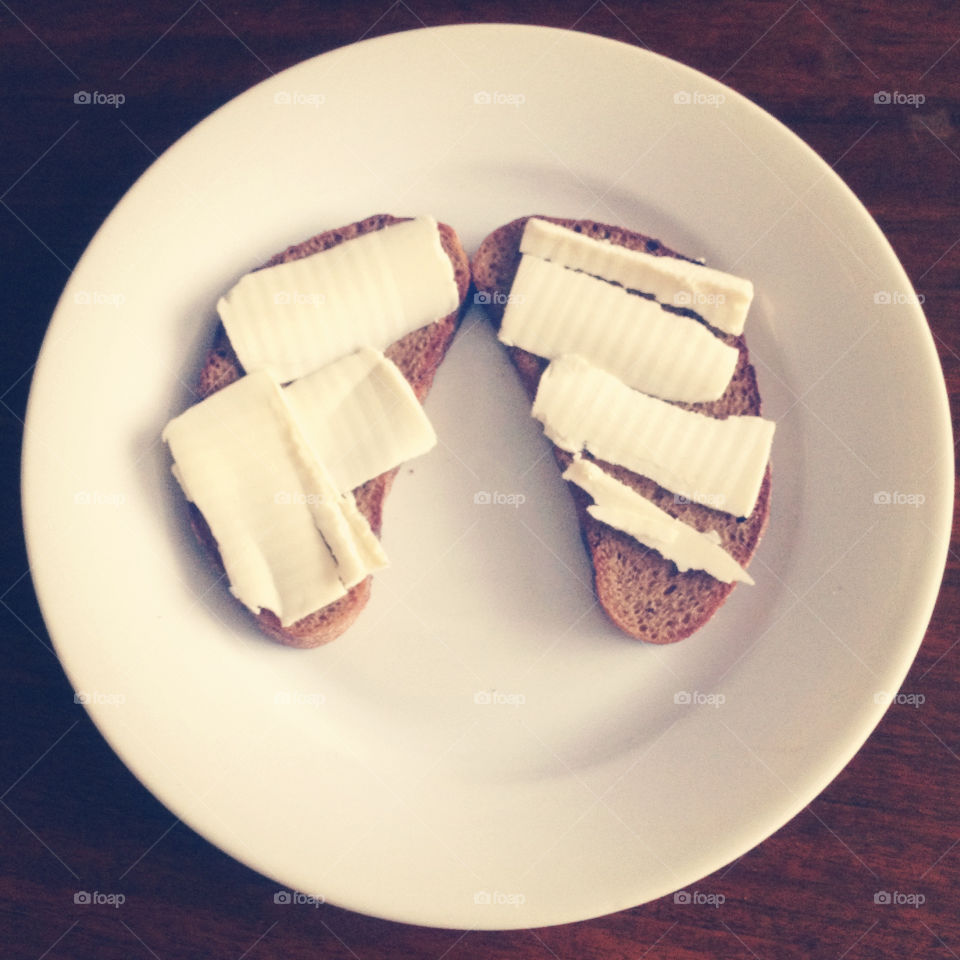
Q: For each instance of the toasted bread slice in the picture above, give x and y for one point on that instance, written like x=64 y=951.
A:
x=418 y=355
x=643 y=593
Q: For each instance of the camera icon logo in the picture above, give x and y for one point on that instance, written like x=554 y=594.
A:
x=881 y=896
x=882 y=297
x=82 y=96
x=482 y=897
x=282 y=896
x=282 y=97
x=682 y=96
x=881 y=96
x=482 y=97
x=882 y=497
x=81 y=896
x=481 y=297
x=682 y=299
x=482 y=497
x=682 y=697
x=681 y=896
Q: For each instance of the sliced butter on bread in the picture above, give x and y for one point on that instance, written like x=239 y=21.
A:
x=643 y=593
x=417 y=355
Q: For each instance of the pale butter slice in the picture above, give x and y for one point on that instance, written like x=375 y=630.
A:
x=552 y=311
x=722 y=299
x=293 y=318
x=360 y=416
x=720 y=463
x=343 y=527
x=619 y=506
x=289 y=541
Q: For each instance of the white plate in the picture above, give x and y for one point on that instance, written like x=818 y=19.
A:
x=371 y=772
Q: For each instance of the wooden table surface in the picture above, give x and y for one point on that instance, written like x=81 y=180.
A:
x=73 y=818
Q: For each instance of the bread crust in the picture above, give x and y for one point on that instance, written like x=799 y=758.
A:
x=418 y=355
x=642 y=592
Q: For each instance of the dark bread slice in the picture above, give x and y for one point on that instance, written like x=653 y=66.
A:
x=643 y=593
x=418 y=355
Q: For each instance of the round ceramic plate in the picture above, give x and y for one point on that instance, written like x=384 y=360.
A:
x=482 y=748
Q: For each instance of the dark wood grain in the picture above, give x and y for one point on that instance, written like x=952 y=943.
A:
x=72 y=817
